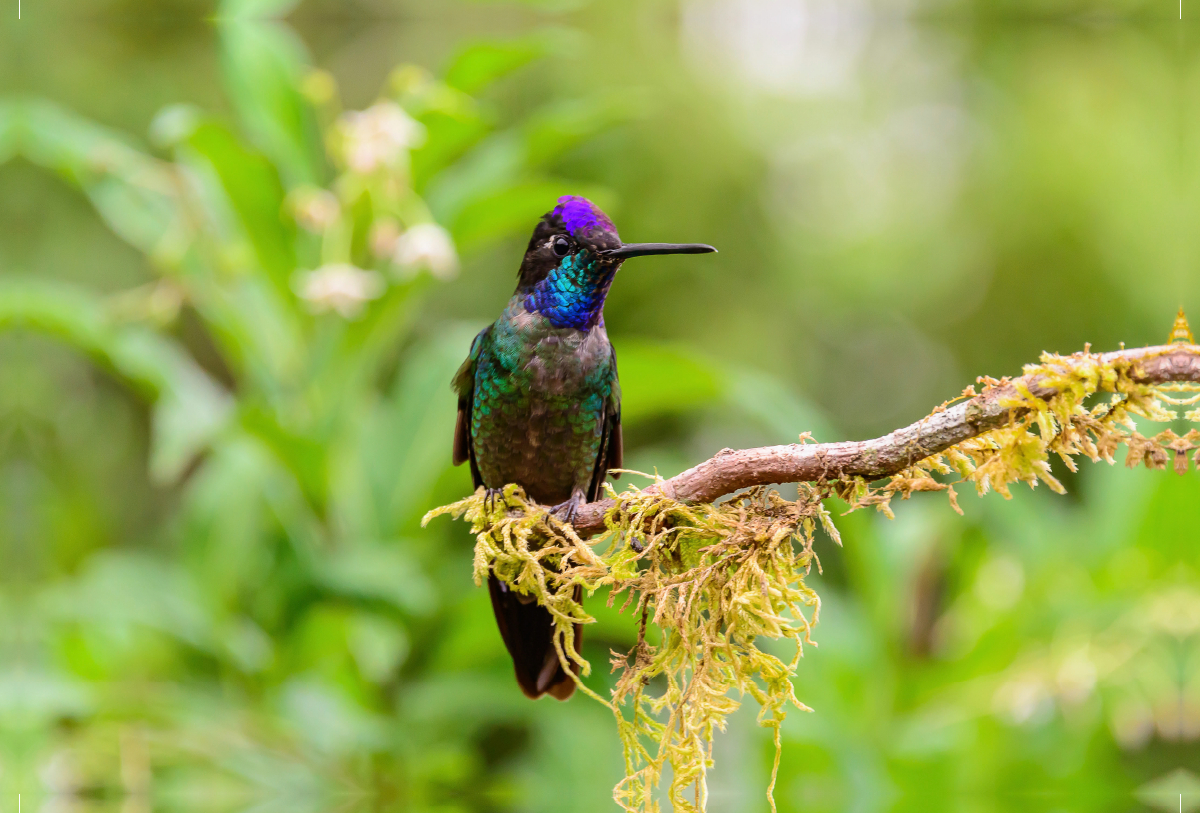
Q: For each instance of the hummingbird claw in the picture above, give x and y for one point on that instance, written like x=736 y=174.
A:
x=490 y=496
x=567 y=511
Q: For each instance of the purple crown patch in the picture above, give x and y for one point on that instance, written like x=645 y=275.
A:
x=580 y=216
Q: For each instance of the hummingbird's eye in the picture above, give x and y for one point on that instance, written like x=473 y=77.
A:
x=561 y=246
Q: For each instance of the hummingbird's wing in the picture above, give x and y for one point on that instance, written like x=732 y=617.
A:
x=612 y=452
x=464 y=385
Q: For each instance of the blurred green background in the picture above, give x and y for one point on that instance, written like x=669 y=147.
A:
x=214 y=591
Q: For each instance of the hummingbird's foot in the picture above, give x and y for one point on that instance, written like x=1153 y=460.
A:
x=566 y=511
x=490 y=495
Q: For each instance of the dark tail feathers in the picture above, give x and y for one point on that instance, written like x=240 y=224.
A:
x=528 y=631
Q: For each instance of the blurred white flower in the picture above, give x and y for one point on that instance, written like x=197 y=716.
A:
x=1025 y=700
x=378 y=136
x=426 y=246
x=339 y=287
x=315 y=209
x=174 y=124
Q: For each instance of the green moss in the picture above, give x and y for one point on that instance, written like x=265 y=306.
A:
x=713 y=579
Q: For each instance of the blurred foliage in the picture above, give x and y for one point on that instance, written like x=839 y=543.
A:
x=212 y=463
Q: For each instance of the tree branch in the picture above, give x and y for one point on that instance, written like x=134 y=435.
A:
x=729 y=470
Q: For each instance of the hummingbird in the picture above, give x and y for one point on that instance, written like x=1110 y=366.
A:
x=539 y=402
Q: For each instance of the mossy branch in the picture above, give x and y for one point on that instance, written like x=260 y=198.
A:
x=1001 y=402
x=710 y=579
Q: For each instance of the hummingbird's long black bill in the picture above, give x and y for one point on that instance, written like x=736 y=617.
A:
x=645 y=249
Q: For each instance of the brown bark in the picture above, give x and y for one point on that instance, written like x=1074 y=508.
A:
x=729 y=470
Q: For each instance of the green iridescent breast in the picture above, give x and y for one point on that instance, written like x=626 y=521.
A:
x=541 y=396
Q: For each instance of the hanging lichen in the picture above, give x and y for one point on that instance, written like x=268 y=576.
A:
x=713 y=579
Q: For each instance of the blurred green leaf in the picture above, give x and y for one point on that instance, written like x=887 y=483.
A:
x=447 y=138
x=263 y=64
x=153 y=206
x=487 y=169
x=658 y=379
x=302 y=454
x=224 y=521
x=248 y=645
x=405 y=443
x=123 y=589
x=255 y=192
x=68 y=143
x=36 y=696
x=557 y=128
x=231 y=10
x=466 y=641
x=326 y=719
x=379 y=571
x=134 y=193
x=348 y=357
x=379 y=646
x=780 y=411
x=10 y=124
x=479 y=64
x=190 y=408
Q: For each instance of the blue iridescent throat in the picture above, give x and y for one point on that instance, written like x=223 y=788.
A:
x=572 y=295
